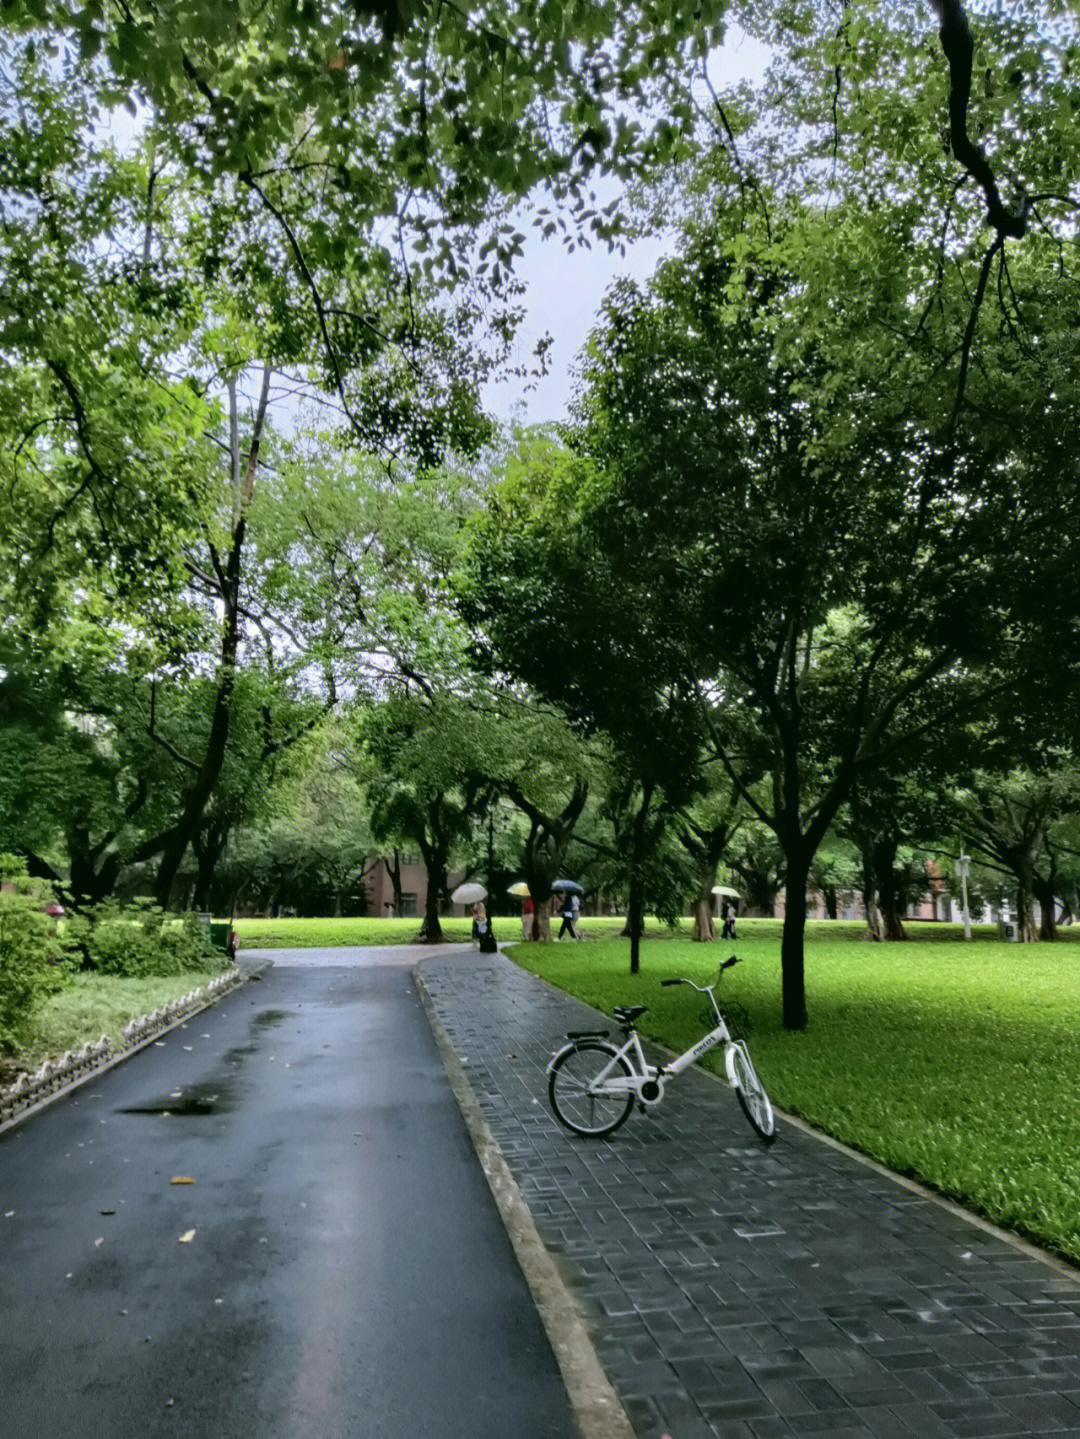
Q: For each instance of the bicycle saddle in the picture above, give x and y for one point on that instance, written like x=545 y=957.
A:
x=627 y=1013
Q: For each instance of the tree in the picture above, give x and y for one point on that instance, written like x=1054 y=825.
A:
x=427 y=786
x=382 y=143
x=758 y=860
x=707 y=829
x=834 y=870
x=784 y=539
x=1007 y=818
x=547 y=606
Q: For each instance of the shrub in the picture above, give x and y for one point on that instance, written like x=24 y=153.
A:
x=33 y=961
x=140 y=940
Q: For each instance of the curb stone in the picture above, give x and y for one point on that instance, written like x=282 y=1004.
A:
x=58 y=1077
x=595 y=1404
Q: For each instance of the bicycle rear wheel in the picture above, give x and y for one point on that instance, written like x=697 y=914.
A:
x=750 y=1092
x=574 y=1103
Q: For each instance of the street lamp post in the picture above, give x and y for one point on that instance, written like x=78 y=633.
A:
x=963 y=869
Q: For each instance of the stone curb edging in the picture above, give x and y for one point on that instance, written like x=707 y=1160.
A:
x=595 y=1405
x=55 y=1077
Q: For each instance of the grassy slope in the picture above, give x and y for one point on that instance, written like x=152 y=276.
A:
x=96 y=1004
x=958 y=1064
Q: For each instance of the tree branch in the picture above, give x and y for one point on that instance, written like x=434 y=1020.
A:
x=959 y=48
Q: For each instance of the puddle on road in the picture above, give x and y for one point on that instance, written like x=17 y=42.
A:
x=192 y=1099
x=214 y=1097
x=266 y=1018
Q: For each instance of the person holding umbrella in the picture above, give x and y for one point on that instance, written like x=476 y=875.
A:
x=567 y=909
x=521 y=890
x=473 y=894
x=479 y=922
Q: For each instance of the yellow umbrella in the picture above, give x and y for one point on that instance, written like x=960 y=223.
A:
x=521 y=889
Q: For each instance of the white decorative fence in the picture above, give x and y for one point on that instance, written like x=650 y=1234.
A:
x=56 y=1074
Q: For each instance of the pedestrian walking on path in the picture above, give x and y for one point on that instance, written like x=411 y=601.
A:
x=566 y=909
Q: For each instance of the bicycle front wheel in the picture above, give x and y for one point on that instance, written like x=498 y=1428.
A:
x=750 y=1091
x=577 y=1101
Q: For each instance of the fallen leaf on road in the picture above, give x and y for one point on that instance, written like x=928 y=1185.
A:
x=99 y=1242
x=181 y=1179
x=187 y=1236
x=187 y=1048
x=106 y=1211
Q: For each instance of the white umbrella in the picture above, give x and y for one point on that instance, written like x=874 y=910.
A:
x=468 y=893
x=723 y=889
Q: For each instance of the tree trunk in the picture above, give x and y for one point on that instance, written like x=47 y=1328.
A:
x=636 y=908
x=394 y=871
x=893 y=925
x=541 y=921
x=431 y=929
x=792 y=954
x=831 y=906
x=1025 y=902
x=1044 y=893
x=704 y=929
x=197 y=795
x=634 y=922
x=870 y=894
x=207 y=854
x=884 y=867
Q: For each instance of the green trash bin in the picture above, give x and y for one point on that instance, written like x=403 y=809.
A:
x=221 y=936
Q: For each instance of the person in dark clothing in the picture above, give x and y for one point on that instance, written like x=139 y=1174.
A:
x=567 y=911
x=729 y=922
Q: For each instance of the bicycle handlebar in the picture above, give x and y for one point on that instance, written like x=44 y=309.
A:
x=704 y=988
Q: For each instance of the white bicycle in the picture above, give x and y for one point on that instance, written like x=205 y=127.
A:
x=592 y=1082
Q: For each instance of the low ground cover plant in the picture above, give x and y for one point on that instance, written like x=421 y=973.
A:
x=959 y=1065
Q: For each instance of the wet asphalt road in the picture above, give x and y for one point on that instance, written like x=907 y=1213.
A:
x=348 y=1278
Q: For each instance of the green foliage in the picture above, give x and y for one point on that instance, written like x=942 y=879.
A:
x=140 y=940
x=951 y=1063
x=32 y=955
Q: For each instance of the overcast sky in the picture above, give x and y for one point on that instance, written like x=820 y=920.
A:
x=565 y=290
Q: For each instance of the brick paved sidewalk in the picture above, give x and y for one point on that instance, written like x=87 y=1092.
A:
x=736 y=1290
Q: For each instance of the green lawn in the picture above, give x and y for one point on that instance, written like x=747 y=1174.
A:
x=322 y=933
x=957 y=1064
x=328 y=933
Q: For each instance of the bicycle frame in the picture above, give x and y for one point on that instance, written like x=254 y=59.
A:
x=645 y=1073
